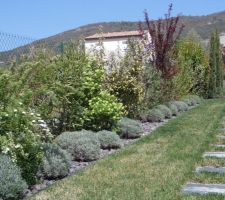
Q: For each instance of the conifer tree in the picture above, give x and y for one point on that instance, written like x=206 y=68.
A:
x=216 y=66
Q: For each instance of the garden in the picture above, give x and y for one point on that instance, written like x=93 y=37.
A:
x=62 y=113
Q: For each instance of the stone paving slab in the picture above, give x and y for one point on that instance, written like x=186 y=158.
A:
x=204 y=189
x=210 y=169
x=215 y=154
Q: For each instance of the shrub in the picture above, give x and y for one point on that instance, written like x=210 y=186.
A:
x=56 y=162
x=11 y=183
x=173 y=108
x=109 y=140
x=65 y=140
x=128 y=128
x=103 y=112
x=197 y=99
x=192 y=69
x=83 y=145
x=188 y=101
x=20 y=140
x=154 y=115
x=124 y=79
x=181 y=106
x=85 y=149
x=165 y=110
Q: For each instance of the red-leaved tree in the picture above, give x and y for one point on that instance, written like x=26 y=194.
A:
x=164 y=34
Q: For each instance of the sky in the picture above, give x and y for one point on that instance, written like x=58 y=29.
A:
x=43 y=18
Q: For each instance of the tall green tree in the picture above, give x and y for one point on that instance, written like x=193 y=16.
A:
x=216 y=66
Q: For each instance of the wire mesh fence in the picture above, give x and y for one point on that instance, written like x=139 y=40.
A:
x=14 y=47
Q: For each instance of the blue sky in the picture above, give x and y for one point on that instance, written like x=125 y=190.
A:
x=42 y=18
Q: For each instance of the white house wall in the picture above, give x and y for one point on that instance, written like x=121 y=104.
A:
x=112 y=45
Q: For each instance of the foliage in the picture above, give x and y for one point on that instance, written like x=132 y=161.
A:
x=65 y=139
x=192 y=69
x=164 y=34
x=85 y=149
x=192 y=100
x=82 y=145
x=103 y=112
x=56 y=162
x=165 y=110
x=11 y=183
x=124 y=77
x=153 y=90
x=21 y=140
x=216 y=66
x=172 y=106
x=196 y=98
x=109 y=140
x=181 y=106
x=153 y=115
x=130 y=129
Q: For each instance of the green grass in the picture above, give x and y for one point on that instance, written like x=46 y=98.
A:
x=155 y=167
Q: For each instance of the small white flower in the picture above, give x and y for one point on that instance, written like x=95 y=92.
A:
x=38 y=115
x=33 y=121
x=6 y=115
x=23 y=112
x=17 y=146
x=6 y=150
x=15 y=110
x=41 y=121
x=20 y=103
x=31 y=114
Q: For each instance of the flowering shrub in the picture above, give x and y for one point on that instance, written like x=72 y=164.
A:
x=103 y=112
x=20 y=139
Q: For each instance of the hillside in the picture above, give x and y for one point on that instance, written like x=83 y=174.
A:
x=203 y=25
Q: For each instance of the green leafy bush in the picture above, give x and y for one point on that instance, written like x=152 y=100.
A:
x=193 y=69
x=181 y=106
x=109 y=140
x=165 y=110
x=172 y=106
x=153 y=115
x=82 y=145
x=20 y=139
x=56 y=162
x=128 y=128
x=103 y=112
x=124 y=79
x=11 y=183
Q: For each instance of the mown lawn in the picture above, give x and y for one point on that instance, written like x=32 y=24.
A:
x=155 y=167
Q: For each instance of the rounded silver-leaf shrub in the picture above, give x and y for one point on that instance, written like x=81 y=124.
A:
x=56 y=162
x=173 y=108
x=188 y=101
x=165 y=110
x=109 y=140
x=129 y=128
x=197 y=99
x=85 y=149
x=181 y=106
x=11 y=183
x=155 y=115
x=82 y=145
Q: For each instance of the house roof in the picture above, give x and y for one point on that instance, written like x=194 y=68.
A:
x=114 y=35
